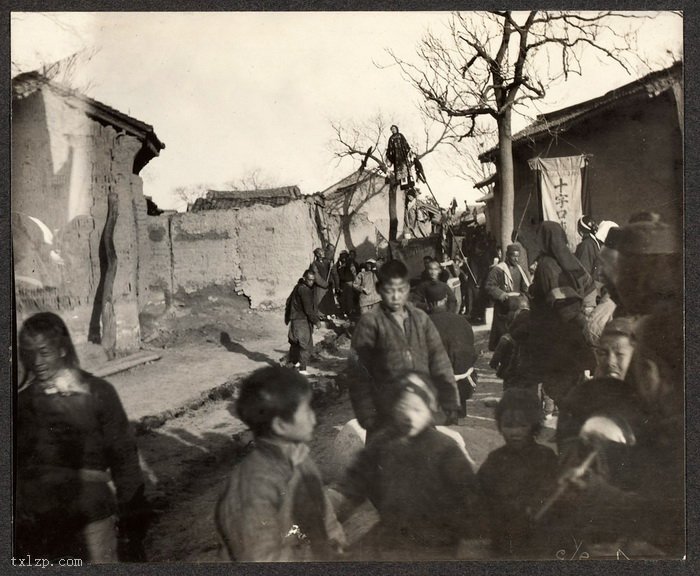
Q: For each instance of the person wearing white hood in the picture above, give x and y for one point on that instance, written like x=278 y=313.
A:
x=605 y=278
x=589 y=247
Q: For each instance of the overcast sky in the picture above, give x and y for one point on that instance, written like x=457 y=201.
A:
x=232 y=92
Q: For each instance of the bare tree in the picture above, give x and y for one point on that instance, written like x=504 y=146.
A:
x=354 y=139
x=254 y=179
x=357 y=139
x=188 y=194
x=491 y=64
x=65 y=71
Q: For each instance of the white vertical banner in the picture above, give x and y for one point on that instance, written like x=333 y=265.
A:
x=561 y=182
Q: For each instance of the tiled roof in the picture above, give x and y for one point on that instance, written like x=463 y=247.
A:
x=233 y=199
x=26 y=84
x=560 y=120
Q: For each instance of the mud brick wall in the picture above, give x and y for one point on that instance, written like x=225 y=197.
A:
x=259 y=251
x=155 y=271
x=63 y=166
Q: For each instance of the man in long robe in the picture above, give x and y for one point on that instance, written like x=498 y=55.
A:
x=506 y=279
x=326 y=277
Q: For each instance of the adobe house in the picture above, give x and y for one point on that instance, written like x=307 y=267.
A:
x=74 y=161
x=632 y=139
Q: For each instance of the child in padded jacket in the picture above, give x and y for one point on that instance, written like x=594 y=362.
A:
x=418 y=478
x=392 y=339
x=274 y=508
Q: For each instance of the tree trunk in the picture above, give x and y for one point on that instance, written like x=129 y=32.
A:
x=393 y=217
x=506 y=177
x=109 y=322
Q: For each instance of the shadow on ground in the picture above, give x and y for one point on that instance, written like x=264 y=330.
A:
x=238 y=348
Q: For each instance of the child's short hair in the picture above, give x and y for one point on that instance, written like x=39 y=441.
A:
x=524 y=400
x=392 y=270
x=270 y=392
x=416 y=382
x=52 y=327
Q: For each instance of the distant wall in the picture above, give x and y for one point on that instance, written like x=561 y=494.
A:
x=155 y=273
x=63 y=166
x=259 y=251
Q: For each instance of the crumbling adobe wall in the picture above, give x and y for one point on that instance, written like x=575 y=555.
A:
x=63 y=166
x=259 y=251
x=276 y=245
x=155 y=273
x=204 y=250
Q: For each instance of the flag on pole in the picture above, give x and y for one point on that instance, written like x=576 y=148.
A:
x=561 y=182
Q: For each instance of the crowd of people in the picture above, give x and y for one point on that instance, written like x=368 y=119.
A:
x=592 y=335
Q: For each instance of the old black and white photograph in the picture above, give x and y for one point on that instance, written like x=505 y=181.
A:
x=396 y=286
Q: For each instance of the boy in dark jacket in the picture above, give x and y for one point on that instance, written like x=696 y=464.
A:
x=392 y=339
x=458 y=338
x=434 y=271
x=73 y=439
x=303 y=316
x=419 y=480
x=516 y=478
x=274 y=508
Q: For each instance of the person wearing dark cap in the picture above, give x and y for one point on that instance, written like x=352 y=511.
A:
x=588 y=248
x=458 y=338
x=326 y=282
x=650 y=266
x=419 y=479
x=506 y=279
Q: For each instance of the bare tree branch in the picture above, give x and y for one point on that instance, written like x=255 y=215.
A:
x=488 y=65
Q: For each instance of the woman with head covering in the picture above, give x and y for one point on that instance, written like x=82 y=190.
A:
x=557 y=352
x=588 y=248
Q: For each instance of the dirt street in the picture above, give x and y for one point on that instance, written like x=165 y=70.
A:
x=189 y=451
